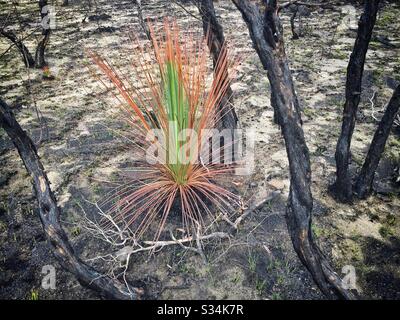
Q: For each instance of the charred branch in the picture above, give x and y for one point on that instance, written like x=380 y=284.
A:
x=363 y=186
x=142 y=22
x=49 y=214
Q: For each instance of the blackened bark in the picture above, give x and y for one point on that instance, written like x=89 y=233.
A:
x=342 y=188
x=26 y=55
x=267 y=37
x=229 y=119
x=40 y=61
x=273 y=104
x=50 y=214
x=364 y=181
x=142 y=22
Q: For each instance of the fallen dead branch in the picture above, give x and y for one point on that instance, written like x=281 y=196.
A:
x=253 y=207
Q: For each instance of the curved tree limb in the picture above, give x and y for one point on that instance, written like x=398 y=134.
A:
x=342 y=188
x=266 y=34
x=50 y=213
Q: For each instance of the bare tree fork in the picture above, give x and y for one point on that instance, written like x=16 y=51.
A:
x=266 y=34
x=157 y=244
x=50 y=214
x=40 y=61
x=26 y=55
x=342 y=187
x=363 y=186
x=229 y=119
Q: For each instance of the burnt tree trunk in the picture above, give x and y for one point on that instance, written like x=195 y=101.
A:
x=229 y=119
x=26 y=55
x=292 y=22
x=342 y=188
x=266 y=34
x=49 y=214
x=40 y=61
x=364 y=181
x=273 y=104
